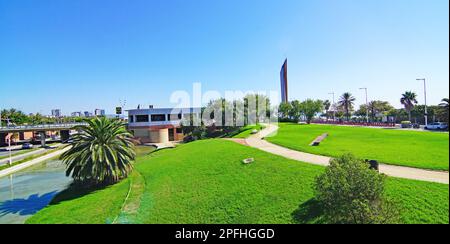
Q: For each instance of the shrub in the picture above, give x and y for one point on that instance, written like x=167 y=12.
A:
x=351 y=193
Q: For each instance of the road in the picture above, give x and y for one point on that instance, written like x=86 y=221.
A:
x=28 y=154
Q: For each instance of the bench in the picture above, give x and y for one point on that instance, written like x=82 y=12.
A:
x=318 y=140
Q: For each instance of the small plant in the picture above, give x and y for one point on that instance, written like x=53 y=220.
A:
x=351 y=193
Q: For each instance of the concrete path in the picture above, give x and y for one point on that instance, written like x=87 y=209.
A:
x=257 y=141
x=35 y=161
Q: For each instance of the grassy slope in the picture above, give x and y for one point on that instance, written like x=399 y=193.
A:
x=247 y=131
x=205 y=182
x=427 y=150
x=97 y=207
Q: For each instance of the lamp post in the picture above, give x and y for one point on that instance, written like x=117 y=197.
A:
x=425 y=93
x=334 y=107
x=367 y=104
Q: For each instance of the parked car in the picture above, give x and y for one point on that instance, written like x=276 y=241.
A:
x=406 y=124
x=27 y=146
x=437 y=126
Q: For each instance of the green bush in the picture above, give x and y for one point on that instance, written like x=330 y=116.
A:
x=351 y=193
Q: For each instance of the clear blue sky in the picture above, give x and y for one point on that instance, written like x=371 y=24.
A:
x=87 y=54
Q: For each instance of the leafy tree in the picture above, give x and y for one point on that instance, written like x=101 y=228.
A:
x=351 y=193
x=284 y=110
x=409 y=99
x=101 y=153
x=310 y=108
x=346 y=102
x=296 y=110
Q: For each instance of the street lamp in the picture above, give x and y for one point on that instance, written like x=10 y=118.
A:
x=425 y=92
x=367 y=104
x=334 y=107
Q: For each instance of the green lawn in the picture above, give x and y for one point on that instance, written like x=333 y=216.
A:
x=428 y=150
x=246 y=131
x=205 y=182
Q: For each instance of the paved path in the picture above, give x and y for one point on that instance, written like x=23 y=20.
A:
x=257 y=141
x=35 y=161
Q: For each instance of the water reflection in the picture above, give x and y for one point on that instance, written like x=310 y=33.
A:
x=26 y=192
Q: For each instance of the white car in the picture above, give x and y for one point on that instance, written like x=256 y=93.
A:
x=437 y=126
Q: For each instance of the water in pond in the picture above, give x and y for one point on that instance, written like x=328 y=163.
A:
x=26 y=192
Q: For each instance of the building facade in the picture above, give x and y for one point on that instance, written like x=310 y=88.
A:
x=159 y=125
x=56 y=113
x=99 y=112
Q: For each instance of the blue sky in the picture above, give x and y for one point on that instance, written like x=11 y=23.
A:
x=87 y=54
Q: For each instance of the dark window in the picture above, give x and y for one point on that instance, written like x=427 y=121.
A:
x=131 y=119
x=158 y=117
x=179 y=131
x=141 y=118
x=173 y=117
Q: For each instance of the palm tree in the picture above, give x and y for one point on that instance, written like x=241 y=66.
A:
x=327 y=105
x=409 y=99
x=445 y=108
x=101 y=153
x=346 y=101
x=445 y=103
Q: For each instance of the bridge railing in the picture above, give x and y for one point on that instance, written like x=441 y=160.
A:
x=37 y=127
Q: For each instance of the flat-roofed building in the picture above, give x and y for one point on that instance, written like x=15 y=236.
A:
x=159 y=125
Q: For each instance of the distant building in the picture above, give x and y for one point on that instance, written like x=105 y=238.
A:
x=76 y=114
x=99 y=112
x=56 y=113
x=87 y=114
x=284 y=82
x=159 y=125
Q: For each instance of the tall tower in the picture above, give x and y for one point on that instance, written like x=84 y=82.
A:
x=284 y=82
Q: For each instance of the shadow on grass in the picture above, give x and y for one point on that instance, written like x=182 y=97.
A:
x=74 y=192
x=309 y=212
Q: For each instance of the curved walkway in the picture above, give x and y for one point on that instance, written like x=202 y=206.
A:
x=257 y=141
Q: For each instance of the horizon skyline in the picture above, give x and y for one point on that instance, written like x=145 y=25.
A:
x=86 y=55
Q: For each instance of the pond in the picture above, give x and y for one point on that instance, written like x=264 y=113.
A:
x=26 y=192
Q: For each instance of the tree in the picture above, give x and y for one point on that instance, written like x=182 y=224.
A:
x=310 y=108
x=351 y=193
x=346 y=102
x=101 y=153
x=408 y=100
x=296 y=110
x=444 y=110
x=284 y=110
x=327 y=106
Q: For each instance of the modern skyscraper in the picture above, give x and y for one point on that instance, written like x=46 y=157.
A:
x=284 y=83
x=56 y=113
x=99 y=112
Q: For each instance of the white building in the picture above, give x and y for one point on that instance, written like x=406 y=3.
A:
x=159 y=125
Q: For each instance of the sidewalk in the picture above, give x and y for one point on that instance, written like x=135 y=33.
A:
x=257 y=141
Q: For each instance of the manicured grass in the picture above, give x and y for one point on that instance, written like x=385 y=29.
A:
x=205 y=182
x=74 y=206
x=246 y=131
x=428 y=150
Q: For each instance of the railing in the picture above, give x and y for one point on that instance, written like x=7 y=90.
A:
x=42 y=127
x=370 y=124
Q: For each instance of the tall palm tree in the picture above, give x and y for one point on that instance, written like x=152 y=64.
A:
x=326 y=106
x=101 y=153
x=445 y=107
x=445 y=103
x=409 y=100
x=346 y=101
